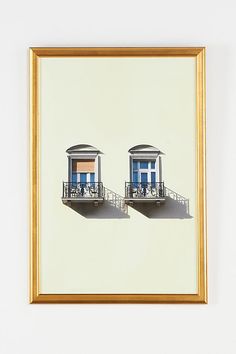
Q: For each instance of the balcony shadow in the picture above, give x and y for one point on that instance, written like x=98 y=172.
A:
x=175 y=207
x=102 y=211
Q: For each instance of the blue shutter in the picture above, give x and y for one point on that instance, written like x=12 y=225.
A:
x=135 y=165
x=135 y=179
x=92 y=177
x=153 y=178
x=74 y=178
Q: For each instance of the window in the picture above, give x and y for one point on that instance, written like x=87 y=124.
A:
x=144 y=172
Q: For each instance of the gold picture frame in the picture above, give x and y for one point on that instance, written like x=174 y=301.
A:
x=36 y=296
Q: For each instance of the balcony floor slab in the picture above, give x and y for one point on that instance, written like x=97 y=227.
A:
x=82 y=200
x=144 y=200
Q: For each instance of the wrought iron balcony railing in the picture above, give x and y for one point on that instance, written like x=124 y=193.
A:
x=82 y=190
x=144 y=190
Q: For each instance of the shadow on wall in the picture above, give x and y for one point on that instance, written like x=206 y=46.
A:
x=102 y=211
x=171 y=209
x=113 y=207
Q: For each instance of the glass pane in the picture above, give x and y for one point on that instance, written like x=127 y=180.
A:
x=135 y=165
x=153 y=164
x=143 y=164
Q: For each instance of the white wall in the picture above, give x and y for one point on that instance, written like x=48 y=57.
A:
x=89 y=329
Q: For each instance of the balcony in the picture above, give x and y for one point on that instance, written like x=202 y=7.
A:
x=82 y=192
x=143 y=192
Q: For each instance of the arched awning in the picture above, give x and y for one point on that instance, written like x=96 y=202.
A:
x=81 y=148
x=144 y=148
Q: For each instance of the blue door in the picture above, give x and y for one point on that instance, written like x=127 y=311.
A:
x=83 y=178
x=144 y=178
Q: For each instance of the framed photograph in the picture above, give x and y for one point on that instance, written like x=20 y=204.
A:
x=118 y=208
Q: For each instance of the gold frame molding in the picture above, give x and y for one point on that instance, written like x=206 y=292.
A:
x=35 y=55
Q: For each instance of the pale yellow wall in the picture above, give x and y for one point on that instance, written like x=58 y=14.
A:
x=114 y=104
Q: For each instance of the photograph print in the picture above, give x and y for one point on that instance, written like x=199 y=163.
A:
x=118 y=175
